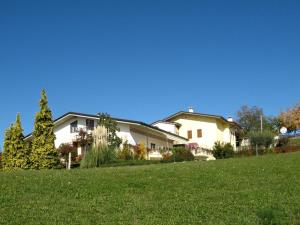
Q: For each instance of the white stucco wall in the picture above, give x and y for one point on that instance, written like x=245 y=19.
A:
x=212 y=130
x=208 y=127
x=166 y=126
x=63 y=133
x=225 y=134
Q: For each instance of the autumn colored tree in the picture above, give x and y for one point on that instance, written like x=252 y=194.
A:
x=140 y=151
x=84 y=140
x=291 y=118
x=64 y=149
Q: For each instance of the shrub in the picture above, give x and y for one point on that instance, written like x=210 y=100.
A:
x=167 y=156
x=183 y=154
x=287 y=149
x=179 y=154
x=222 y=150
x=125 y=153
x=97 y=156
x=64 y=150
x=140 y=151
x=282 y=141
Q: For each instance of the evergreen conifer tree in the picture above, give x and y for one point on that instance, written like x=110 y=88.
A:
x=7 y=155
x=16 y=150
x=44 y=154
x=21 y=147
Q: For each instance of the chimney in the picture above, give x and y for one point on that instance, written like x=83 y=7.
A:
x=191 y=110
x=229 y=119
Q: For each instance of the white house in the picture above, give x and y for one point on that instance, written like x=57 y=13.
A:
x=67 y=126
x=178 y=129
x=203 y=129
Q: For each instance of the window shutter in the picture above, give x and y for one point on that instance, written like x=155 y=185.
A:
x=199 y=133
x=189 y=134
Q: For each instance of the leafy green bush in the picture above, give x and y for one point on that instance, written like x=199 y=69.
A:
x=179 y=154
x=183 y=154
x=97 y=156
x=282 y=141
x=222 y=150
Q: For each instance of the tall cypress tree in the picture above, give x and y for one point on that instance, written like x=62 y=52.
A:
x=44 y=153
x=7 y=156
x=16 y=150
x=22 y=151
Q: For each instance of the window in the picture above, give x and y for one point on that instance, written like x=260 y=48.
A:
x=199 y=133
x=89 y=124
x=152 y=146
x=73 y=126
x=190 y=134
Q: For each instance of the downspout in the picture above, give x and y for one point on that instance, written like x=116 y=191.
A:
x=147 y=146
x=167 y=142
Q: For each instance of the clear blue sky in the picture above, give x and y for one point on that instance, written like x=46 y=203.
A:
x=144 y=60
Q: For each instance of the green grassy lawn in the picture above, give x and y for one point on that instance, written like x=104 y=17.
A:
x=250 y=190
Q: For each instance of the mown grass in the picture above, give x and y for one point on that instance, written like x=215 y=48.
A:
x=254 y=190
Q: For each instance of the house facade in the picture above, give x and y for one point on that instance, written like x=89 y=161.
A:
x=203 y=129
x=67 y=127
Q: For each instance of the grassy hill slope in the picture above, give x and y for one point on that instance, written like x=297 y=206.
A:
x=254 y=190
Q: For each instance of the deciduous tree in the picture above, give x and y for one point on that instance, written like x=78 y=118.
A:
x=111 y=126
x=250 y=120
x=291 y=118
